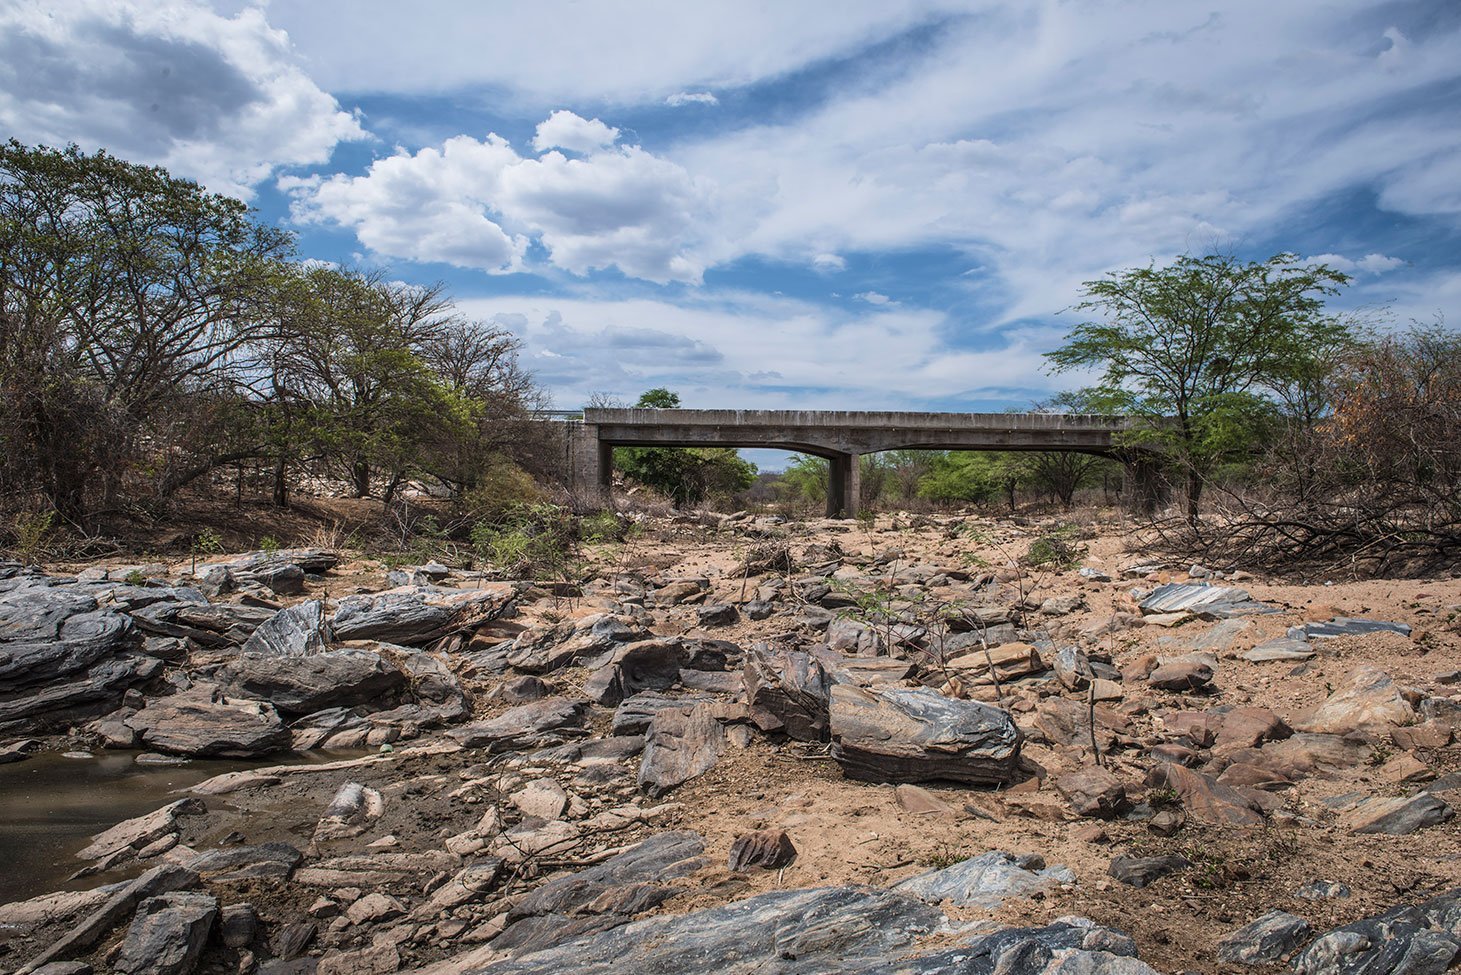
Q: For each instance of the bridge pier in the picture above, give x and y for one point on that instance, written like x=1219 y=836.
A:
x=844 y=485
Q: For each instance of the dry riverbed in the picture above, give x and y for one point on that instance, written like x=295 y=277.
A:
x=762 y=728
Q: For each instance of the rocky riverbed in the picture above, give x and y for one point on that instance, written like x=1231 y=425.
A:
x=746 y=746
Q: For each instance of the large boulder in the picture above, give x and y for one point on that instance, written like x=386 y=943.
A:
x=787 y=690
x=1371 y=703
x=1420 y=938
x=681 y=744
x=296 y=631
x=300 y=685
x=167 y=935
x=62 y=658
x=895 y=734
x=196 y=724
x=417 y=615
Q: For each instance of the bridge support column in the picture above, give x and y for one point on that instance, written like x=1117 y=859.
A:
x=844 y=485
x=590 y=465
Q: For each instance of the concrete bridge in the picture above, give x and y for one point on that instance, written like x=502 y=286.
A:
x=841 y=437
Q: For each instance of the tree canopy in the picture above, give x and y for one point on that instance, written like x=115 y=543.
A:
x=1199 y=347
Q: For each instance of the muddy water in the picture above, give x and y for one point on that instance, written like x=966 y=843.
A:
x=50 y=807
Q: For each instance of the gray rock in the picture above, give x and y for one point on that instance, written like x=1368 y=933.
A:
x=1320 y=890
x=1346 y=626
x=788 y=690
x=297 y=631
x=162 y=879
x=235 y=864
x=759 y=609
x=351 y=812
x=719 y=614
x=212 y=625
x=1142 y=871
x=1398 y=817
x=1280 y=649
x=767 y=849
x=849 y=930
x=662 y=857
x=652 y=665
x=894 y=734
x=1202 y=599
x=1073 y=668
x=1416 y=940
x=520 y=689
x=524 y=726
x=418 y=615
x=194 y=724
x=681 y=744
x=238 y=925
x=78 y=697
x=987 y=881
x=1181 y=675
x=167 y=935
x=634 y=714
x=299 y=685
x=1270 y=938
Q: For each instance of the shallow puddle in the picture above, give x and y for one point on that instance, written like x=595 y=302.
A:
x=51 y=806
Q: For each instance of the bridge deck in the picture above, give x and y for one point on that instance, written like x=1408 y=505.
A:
x=838 y=435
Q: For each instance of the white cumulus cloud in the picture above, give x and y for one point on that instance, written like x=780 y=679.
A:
x=565 y=130
x=479 y=204
x=874 y=298
x=217 y=99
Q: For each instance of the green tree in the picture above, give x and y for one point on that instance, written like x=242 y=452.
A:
x=1197 y=347
x=687 y=476
x=129 y=300
x=352 y=355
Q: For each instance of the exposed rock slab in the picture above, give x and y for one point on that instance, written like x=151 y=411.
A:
x=298 y=685
x=295 y=631
x=1203 y=599
x=523 y=726
x=918 y=735
x=195 y=724
x=987 y=881
x=849 y=930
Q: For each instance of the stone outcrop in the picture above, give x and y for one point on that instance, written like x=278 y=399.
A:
x=203 y=724
x=916 y=735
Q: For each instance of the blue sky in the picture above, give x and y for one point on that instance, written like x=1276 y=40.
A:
x=881 y=204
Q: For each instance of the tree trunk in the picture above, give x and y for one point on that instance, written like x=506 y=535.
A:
x=281 y=483
x=360 y=474
x=1194 y=492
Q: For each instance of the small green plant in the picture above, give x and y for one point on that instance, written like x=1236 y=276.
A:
x=943 y=855
x=269 y=544
x=1209 y=869
x=1056 y=549
x=600 y=527
x=135 y=578
x=208 y=541
x=30 y=530
x=1162 y=797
